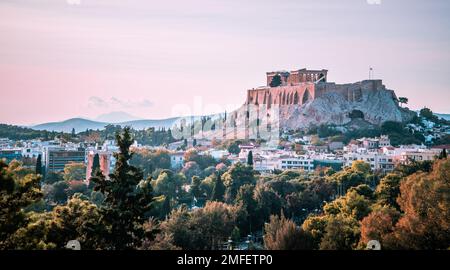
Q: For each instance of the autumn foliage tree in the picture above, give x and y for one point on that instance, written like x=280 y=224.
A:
x=284 y=234
x=425 y=201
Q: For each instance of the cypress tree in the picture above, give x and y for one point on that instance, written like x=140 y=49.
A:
x=95 y=164
x=39 y=164
x=250 y=158
x=218 y=190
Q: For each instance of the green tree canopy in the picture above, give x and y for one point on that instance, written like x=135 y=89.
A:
x=127 y=198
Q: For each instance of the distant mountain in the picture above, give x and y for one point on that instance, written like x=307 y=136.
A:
x=143 y=124
x=116 y=117
x=81 y=124
x=442 y=115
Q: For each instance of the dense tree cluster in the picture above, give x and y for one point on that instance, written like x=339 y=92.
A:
x=207 y=204
x=22 y=133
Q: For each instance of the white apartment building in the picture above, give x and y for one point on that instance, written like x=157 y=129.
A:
x=296 y=163
x=376 y=160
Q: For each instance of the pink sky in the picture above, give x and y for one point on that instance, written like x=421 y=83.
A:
x=59 y=61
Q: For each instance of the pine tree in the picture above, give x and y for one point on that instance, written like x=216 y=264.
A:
x=127 y=198
x=218 y=191
x=250 y=158
x=443 y=154
x=39 y=164
x=73 y=132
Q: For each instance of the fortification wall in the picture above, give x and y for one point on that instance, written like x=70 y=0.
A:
x=283 y=95
x=299 y=94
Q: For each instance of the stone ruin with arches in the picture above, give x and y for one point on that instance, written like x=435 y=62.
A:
x=298 y=87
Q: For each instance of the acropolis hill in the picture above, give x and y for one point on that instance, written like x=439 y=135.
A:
x=305 y=98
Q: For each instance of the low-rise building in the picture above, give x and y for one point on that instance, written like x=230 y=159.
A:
x=376 y=160
x=296 y=163
x=176 y=160
x=56 y=158
x=419 y=155
x=10 y=154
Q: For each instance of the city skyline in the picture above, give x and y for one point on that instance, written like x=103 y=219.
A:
x=63 y=59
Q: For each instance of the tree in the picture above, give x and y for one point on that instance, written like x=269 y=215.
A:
x=245 y=197
x=276 y=81
x=284 y=234
x=341 y=233
x=56 y=192
x=168 y=184
x=388 y=190
x=315 y=226
x=16 y=194
x=403 y=100
x=425 y=203
x=233 y=148
x=428 y=114
x=218 y=191
x=236 y=176
x=352 y=205
x=73 y=133
x=95 y=164
x=379 y=226
x=354 y=176
x=127 y=198
x=250 y=158
x=53 y=177
x=191 y=169
x=203 y=161
x=150 y=161
x=78 y=219
x=203 y=228
x=268 y=203
x=195 y=187
x=74 y=171
x=39 y=164
x=443 y=154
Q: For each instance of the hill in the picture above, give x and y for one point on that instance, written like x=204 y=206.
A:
x=116 y=117
x=80 y=124
x=442 y=115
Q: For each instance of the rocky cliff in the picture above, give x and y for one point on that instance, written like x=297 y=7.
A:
x=377 y=106
x=302 y=105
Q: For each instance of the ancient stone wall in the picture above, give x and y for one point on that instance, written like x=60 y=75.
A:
x=283 y=95
x=301 y=93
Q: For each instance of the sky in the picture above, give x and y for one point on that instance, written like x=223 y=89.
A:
x=61 y=59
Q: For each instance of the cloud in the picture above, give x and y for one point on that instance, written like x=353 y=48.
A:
x=97 y=102
x=116 y=103
x=145 y=103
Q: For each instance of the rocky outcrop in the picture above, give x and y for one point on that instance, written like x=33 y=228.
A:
x=306 y=104
x=377 y=106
